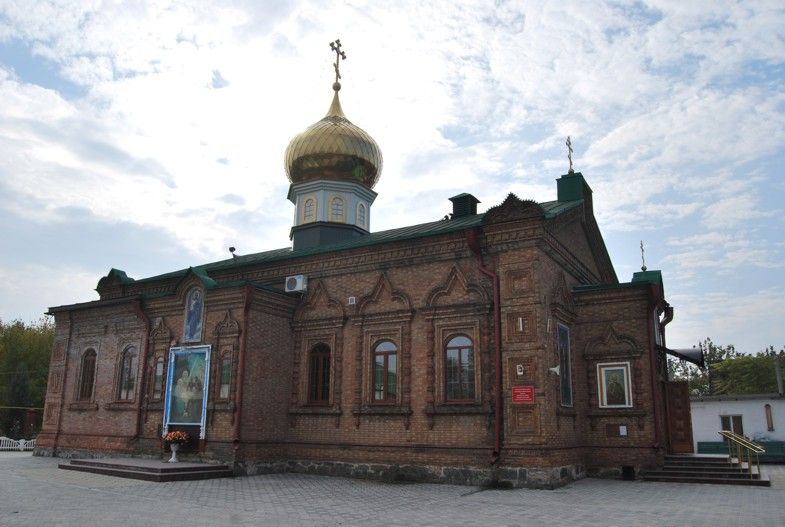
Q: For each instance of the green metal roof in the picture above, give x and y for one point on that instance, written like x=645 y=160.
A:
x=650 y=277
x=638 y=279
x=550 y=208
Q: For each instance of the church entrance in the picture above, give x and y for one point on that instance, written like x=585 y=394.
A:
x=678 y=417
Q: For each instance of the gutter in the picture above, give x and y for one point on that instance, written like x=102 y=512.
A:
x=653 y=371
x=472 y=239
x=667 y=319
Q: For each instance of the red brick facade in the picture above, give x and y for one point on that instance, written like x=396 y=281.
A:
x=547 y=269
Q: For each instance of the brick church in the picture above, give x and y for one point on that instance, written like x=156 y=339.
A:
x=478 y=348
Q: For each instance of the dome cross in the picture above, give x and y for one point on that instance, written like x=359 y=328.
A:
x=336 y=47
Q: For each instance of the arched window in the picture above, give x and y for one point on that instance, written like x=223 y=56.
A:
x=459 y=369
x=385 y=372
x=87 y=376
x=361 y=215
x=226 y=376
x=336 y=209
x=158 y=378
x=309 y=210
x=127 y=375
x=319 y=374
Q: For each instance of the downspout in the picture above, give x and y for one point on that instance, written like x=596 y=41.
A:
x=65 y=378
x=472 y=239
x=142 y=384
x=653 y=371
x=241 y=369
x=665 y=321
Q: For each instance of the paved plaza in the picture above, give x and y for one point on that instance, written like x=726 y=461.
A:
x=34 y=492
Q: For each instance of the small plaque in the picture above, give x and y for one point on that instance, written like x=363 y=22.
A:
x=523 y=394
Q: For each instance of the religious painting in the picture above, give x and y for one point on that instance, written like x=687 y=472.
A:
x=186 y=386
x=194 y=307
x=613 y=381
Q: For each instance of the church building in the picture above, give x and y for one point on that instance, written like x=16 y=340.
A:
x=477 y=348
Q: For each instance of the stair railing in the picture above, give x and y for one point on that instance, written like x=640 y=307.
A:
x=742 y=446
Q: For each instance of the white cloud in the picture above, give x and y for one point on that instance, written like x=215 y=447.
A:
x=674 y=108
x=27 y=293
x=751 y=321
x=731 y=211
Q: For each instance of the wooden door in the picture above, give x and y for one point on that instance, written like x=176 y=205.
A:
x=679 y=419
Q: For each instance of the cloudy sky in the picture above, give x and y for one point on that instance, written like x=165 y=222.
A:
x=149 y=136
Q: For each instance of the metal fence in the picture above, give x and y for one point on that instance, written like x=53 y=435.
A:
x=6 y=443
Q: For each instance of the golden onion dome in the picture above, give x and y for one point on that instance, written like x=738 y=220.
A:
x=334 y=149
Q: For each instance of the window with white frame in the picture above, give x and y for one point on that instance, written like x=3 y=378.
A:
x=336 y=209
x=309 y=210
x=732 y=423
x=361 y=215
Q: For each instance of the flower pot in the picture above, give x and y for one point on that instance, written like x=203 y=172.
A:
x=174 y=447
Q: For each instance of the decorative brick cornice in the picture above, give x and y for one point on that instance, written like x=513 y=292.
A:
x=513 y=209
x=228 y=327
x=612 y=346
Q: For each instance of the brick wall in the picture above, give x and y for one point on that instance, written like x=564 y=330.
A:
x=415 y=294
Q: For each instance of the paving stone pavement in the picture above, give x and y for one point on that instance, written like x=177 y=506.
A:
x=34 y=492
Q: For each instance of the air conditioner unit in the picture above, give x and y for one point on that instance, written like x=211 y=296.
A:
x=296 y=283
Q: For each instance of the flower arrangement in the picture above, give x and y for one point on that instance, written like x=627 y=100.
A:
x=176 y=436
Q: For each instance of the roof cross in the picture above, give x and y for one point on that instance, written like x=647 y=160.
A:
x=643 y=258
x=569 y=154
x=336 y=47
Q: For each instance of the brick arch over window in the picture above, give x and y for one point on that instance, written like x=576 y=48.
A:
x=86 y=376
x=317 y=304
x=456 y=289
x=383 y=299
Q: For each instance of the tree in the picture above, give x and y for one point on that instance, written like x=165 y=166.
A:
x=701 y=382
x=747 y=374
x=729 y=372
x=24 y=368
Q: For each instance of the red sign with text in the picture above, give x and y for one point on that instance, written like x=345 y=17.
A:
x=523 y=394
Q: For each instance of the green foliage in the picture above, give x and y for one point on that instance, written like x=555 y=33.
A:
x=24 y=368
x=729 y=372
x=701 y=381
x=745 y=375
